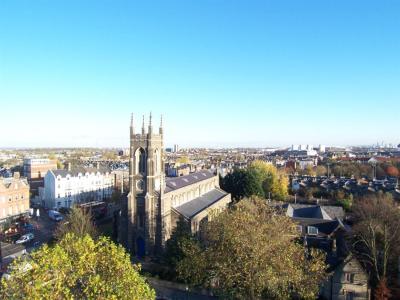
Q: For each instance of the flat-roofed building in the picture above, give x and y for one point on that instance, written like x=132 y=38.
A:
x=35 y=169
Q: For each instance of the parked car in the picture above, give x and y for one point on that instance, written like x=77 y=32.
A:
x=55 y=215
x=25 y=238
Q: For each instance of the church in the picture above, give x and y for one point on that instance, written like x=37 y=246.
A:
x=155 y=202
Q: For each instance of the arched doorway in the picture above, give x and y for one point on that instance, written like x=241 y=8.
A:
x=140 y=244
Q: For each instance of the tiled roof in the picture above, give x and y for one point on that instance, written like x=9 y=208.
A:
x=192 y=208
x=174 y=183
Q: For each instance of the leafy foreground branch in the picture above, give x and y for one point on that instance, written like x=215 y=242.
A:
x=76 y=268
x=251 y=252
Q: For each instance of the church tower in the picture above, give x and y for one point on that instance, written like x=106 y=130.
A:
x=146 y=182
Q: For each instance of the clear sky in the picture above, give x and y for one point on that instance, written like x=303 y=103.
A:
x=223 y=73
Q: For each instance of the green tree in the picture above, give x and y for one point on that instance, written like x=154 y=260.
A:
x=273 y=183
x=181 y=236
x=347 y=203
x=250 y=252
x=77 y=268
x=78 y=222
x=241 y=183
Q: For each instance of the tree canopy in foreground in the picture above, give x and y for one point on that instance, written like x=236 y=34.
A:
x=250 y=252
x=76 y=268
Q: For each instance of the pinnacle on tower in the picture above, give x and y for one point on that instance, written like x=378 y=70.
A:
x=161 y=126
x=143 y=131
x=132 y=127
x=150 y=125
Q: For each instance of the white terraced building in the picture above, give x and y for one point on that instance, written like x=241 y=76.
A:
x=63 y=188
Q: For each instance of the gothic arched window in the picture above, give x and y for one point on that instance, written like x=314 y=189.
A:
x=157 y=161
x=140 y=157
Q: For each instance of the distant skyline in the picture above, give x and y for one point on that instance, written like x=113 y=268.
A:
x=222 y=73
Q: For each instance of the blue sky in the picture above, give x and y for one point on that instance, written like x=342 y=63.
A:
x=223 y=73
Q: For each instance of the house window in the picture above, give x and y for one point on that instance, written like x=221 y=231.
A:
x=311 y=230
x=349 y=277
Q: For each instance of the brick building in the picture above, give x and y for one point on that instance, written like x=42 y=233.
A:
x=35 y=169
x=14 y=197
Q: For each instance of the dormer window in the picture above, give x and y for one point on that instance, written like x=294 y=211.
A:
x=311 y=230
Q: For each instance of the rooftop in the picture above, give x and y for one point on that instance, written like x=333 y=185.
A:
x=174 y=183
x=76 y=171
x=192 y=208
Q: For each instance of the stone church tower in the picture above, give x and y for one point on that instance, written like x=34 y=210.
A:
x=146 y=182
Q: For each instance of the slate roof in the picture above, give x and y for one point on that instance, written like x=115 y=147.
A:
x=314 y=211
x=192 y=208
x=76 y=171
x=174 y=183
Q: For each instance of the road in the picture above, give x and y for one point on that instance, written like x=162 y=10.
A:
x=44 y=229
